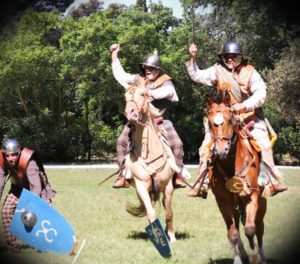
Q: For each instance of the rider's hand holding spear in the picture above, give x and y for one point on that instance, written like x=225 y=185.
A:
x=193 y=47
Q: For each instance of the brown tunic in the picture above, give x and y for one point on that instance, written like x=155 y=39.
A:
x=29 y=180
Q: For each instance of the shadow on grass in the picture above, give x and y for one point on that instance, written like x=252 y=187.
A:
x=230 y=261
x=138 y=235
x=144 y=235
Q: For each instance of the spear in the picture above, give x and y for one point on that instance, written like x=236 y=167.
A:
x=193 y=29
x=133 y=40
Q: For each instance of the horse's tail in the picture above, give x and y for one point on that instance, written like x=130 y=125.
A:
x=155 y=192
x=138 y=211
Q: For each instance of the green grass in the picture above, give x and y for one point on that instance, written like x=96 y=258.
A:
x=97 y=213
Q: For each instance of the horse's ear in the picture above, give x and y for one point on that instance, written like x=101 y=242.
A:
x=208 y=100
x=224 y=87
x=227 y=99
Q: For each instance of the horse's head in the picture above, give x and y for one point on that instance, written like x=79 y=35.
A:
x=137 y=105
x=221 y=121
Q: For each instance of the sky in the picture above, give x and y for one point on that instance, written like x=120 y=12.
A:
x=174 y=4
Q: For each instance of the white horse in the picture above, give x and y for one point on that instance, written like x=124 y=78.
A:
x=150 y=164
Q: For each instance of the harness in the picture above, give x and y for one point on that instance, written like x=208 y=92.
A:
x=155 y=163
x=240 y=182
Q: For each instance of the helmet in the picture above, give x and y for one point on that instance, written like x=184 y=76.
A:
x=232 y=47
x=11 y=146
x=152 y=61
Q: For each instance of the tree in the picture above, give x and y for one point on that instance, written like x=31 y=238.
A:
x=114 y=9
x=283 y=85
x=141 y=5
x=55 y=72
x=85 y=9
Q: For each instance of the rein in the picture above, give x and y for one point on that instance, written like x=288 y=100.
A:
x=131 y=91
x=230 y=137
x=142 y=157
x=110 y=176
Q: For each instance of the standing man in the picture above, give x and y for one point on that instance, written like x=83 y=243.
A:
x=163 y=96
x=25 y=171
x=248 y=93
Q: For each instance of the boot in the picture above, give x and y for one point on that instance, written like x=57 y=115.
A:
x=277 y=188
x=196 y=192
x=121 y=182
x=178 y=182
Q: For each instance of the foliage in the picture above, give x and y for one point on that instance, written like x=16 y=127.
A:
x=85 y=9
x=283 y=84
x=55 y=71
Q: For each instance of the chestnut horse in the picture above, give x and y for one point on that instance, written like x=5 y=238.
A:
x=150 y=164
x=234 y=178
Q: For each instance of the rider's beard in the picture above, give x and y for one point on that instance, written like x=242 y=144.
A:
x=152 y=76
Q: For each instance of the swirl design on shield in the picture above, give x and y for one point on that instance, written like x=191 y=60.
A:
x=45 y=231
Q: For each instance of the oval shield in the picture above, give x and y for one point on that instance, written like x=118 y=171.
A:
x=50 y=232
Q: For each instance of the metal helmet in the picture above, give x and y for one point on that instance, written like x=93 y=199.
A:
x=232 y=47
x=152 y=61
x=11 y=146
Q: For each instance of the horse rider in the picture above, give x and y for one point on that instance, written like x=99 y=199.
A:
x=248 y=93
x=25 y=170
x=162 y=95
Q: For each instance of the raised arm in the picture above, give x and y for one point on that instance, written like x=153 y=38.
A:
x=123 y=78
x=207 y=76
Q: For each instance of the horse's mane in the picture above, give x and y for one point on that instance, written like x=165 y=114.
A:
x=220 y=97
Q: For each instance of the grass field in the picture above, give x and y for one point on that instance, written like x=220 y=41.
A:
x=97 y=214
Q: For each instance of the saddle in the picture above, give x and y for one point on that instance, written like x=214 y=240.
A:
x=153 y=161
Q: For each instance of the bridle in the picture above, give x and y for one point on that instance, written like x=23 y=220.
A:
x=232 y=136
x=131 y=91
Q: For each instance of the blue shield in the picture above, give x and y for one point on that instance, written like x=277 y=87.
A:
x=39 y=225
x=158 y=236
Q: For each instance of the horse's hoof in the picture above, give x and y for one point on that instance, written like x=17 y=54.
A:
x=237 y=260
x=254 y=257
x=173 y=240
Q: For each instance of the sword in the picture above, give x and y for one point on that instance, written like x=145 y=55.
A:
x=133 y=40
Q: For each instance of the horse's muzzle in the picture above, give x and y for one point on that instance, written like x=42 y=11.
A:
x=131 y=113
x=221 y=150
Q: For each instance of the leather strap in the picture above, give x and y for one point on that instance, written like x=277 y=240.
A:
x=23 y=161
x=162 y=79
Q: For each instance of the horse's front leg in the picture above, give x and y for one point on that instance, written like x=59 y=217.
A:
x=227 y=210
x=167 y=199
x=251 y=210
x=262 y=208
x=143 y=193
x=242 y=252
x=250 y=227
